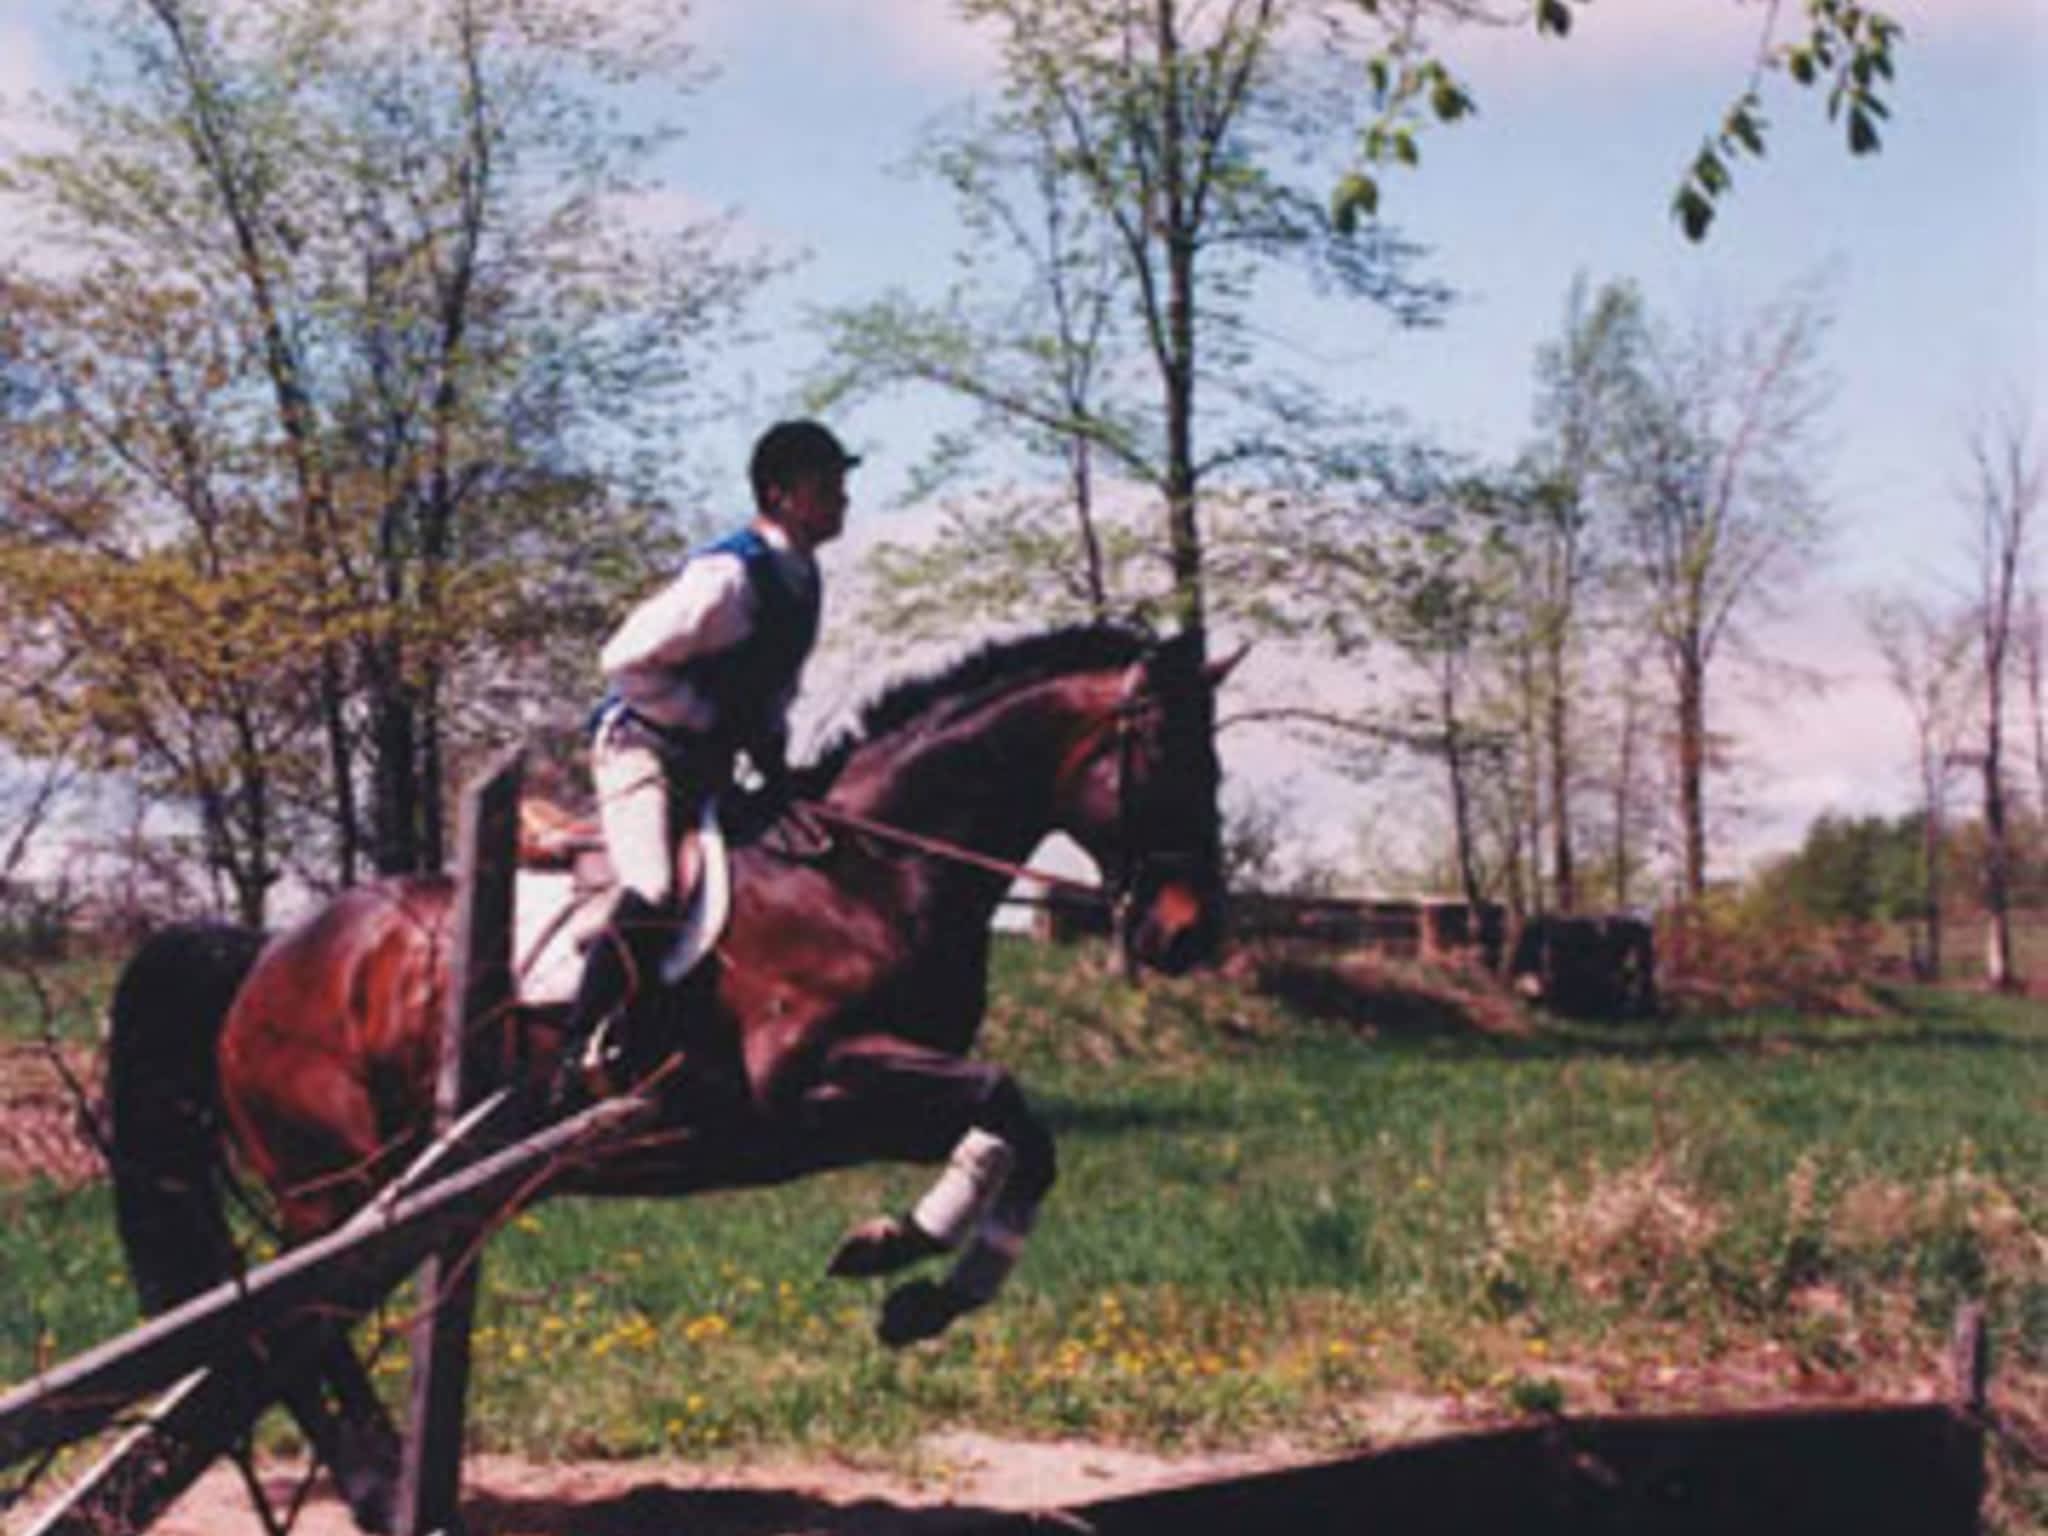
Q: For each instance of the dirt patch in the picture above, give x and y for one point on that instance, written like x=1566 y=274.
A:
x=1379 y=996
x=956 y=1477
x=42 y=1121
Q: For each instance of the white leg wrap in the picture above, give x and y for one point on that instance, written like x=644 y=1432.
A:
x=973 y=1179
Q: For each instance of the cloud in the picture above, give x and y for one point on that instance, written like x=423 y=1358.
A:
x=922 y=40
x=23 y=68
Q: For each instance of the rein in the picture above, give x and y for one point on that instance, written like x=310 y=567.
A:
x=939 y=848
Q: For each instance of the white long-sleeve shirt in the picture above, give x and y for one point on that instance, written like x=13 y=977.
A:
x=708 y=607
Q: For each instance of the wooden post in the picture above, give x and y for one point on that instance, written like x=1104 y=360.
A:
x=479 y=986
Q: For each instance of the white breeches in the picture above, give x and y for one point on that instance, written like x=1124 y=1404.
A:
x=633 y=806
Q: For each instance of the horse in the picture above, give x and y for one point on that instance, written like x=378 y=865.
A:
x=830 y=1025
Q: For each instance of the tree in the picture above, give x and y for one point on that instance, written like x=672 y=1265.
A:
x=2007 y=488
x=1138 y=169
x=362 y=354
x=1629 y=783
x=1442 y=608
x=1029 y=335
x=1584 y=380
x=1720 y=511
x=1927 y=659
x=1849 y=870
x=2033 y=643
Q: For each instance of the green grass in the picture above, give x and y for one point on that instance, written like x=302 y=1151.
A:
x=62 y=998
x=1264 y=1219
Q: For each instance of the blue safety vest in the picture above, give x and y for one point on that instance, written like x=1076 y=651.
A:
x=744 y=682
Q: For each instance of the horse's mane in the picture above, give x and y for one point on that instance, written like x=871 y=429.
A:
x=1000 y=664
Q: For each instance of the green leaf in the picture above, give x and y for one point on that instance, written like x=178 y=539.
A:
x=1746 y=129
x=1710 y=172
x=1695 y=212
x=1862 y=132
x=1358 y=196
x=1554 y=18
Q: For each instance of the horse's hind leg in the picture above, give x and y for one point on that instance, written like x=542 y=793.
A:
x=880 y=1098
x=366 y=1451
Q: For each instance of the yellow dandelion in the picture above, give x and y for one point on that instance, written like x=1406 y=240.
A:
x=702 y=1329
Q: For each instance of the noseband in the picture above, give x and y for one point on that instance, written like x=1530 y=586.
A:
x=1131 y=862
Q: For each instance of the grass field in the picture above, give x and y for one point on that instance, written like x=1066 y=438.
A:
x=1270 y=1222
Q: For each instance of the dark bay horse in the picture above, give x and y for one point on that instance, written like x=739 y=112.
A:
x=830 y=1027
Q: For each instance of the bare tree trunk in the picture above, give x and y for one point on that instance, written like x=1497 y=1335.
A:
x=1624 y=796
x=1998 y=971
x=1081 y=477
x=1692 y=762
x=1930 y=855
x=1528 y=785
x=2008 y=489
x=1461 y=791
x=2034 y=654
x=1184 y=531
x=1560 y=791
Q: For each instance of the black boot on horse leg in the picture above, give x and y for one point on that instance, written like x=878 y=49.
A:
x=895 y=1100
x=923 y=1309
x=944 y=1219
x=602 y=1052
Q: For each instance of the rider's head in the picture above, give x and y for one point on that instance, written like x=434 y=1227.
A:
x=799 y=475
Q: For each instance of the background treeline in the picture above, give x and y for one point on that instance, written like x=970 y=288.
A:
x=344 y=351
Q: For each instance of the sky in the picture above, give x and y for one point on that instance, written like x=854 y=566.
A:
x=1932 y=253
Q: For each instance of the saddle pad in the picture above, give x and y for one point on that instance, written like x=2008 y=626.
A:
x=556 y=915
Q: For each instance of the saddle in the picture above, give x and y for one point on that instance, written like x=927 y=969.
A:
x=564 y=893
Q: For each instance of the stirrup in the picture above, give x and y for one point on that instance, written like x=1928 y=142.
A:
x=602 y=1066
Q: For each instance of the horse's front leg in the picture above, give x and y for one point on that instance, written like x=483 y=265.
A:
x=890 y=1099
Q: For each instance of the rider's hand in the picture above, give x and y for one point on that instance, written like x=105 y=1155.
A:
x=770 y=758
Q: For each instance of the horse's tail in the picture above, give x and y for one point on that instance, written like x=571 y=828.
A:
x=163 y=1096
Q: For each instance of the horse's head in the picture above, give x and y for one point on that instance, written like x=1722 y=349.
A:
x=1139 y=793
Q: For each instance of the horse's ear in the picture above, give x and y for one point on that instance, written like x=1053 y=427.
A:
x=1216 y=671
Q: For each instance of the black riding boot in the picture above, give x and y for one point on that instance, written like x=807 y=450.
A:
x=600 y=1057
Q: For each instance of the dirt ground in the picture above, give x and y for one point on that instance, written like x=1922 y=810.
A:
x=42 y=1129
x=962 y=1476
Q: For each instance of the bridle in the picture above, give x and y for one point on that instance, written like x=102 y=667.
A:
x=1133 y=860
x=1127 y=870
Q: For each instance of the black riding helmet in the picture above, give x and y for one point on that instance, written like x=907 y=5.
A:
x=792 y=448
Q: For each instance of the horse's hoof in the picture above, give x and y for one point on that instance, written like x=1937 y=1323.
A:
x=881 y=1246
x=915 y=1311
x=375 y=1506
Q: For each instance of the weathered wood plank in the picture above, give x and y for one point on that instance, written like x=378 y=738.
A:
x=480 y=985
x=348 y=1270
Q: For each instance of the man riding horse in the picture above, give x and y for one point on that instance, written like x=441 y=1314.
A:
x=704 y=669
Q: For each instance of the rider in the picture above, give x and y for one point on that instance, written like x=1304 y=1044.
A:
x=705 y=668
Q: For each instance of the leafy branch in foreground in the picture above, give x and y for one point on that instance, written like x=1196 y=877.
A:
x=1844 y=47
